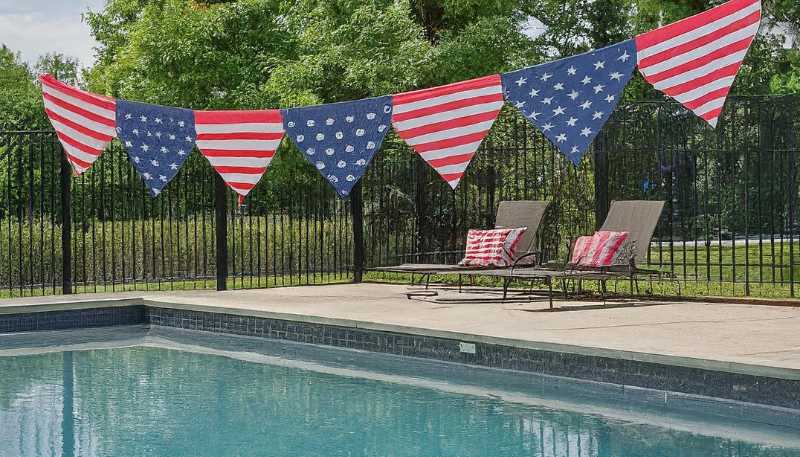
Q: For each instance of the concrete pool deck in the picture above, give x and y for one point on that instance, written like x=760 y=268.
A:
x=750 y=339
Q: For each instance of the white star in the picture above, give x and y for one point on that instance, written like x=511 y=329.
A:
x=181 y=152
x=164 y=150
x=149 y=134
x=597 y=115
x=172 y=137
x=129 y=116
x=156 y=191
x=181 y=123
x=546 y=76
x=154 y=162
x=610 y=98
x=624 y=57
x=616 y=76
x=128 y=144
x=147 y=176
x=135 y=131
x=534 y=115
x=158 y=134
x=136 y=159
x=561 y=138
x=547 y=127
x=572 y=70
x=574 y=150
x=573 y=95
x=598 y=88
x=143 y=118
x=162 y=178
x=548 y=100
x=571 y=122
x=521 y=81
x=586 y=132
x=519 y=105
x=173 y=166
x=586 y=105
x=188 y=139
x=558 y=111
x=599 y=64
x=534 y=92
x=559 y=86
x=157 y=120
x=145 y=147
x=586 y=80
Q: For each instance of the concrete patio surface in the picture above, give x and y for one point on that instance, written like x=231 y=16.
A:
x=755 y=339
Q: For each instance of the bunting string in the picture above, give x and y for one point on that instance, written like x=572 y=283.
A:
x=694 y=60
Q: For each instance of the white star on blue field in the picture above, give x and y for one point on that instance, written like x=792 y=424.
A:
x=571 y=99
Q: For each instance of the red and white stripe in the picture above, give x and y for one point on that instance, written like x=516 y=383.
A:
x=695 y=60
x=447 y=124
x=84 y=122
x=603 y=249
x=492 y=248
x=239 y=144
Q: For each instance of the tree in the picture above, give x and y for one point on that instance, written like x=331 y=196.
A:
x=20 y=105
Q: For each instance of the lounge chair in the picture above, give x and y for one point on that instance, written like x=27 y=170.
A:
x=638 y=218
x=510 y=214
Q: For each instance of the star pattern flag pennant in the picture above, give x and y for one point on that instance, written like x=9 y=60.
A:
x=695 y=60
x=239 y=144
x=340 y=139
x=447 y=124
x=571 y=99
x=84 y=122
x=158 y=140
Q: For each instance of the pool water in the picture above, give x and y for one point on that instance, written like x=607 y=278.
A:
x=155 y=401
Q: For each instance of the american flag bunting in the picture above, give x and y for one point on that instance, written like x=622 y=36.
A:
x=158 y=140
x=445 y=125
x=695 y=60
x=340 y=139
x=571 y=99
x=239 y=144
x=84 y=122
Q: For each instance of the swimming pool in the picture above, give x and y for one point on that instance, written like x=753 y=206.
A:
x=127 y=392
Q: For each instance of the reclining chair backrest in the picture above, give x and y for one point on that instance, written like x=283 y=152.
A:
x=514 y=214
x=637 y=217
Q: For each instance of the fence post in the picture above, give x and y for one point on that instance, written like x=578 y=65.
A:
x=357 y=217
x=601 y=202
x=221 y=226
x=66 y=225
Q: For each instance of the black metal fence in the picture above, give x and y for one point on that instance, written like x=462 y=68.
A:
x=729 y=227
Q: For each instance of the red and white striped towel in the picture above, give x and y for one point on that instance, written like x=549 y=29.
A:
x=447 y=124
x=492 y=248
x=84 y=122
x=239 y=144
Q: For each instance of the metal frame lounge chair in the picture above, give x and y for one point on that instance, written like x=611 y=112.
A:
x=510 y=214
x=637 y=217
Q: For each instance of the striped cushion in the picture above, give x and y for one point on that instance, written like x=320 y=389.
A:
x=605 y=249
x=492 y=248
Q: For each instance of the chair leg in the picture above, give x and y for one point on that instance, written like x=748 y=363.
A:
x=506 y=283
x=428 y=281
x=550 y=290
x=460 y=280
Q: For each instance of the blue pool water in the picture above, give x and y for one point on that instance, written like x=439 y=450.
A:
x=148 y=400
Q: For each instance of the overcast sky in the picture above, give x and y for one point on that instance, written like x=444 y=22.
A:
x=36 y=27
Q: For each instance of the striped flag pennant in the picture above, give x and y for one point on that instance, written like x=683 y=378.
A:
x=446 y=125
x=239 y=144
x=84 y=122
x=695 y=60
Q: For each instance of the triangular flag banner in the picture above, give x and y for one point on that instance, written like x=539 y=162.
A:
x=340 y=139
x=446 y=125
x=158 y=140
x=571 y=99
x=695 y=60
x=84 y=122
x=239 y=144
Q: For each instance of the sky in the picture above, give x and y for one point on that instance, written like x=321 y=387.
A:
x=36 y=27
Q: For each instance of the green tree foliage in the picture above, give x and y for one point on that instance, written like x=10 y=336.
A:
x=20 y=103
